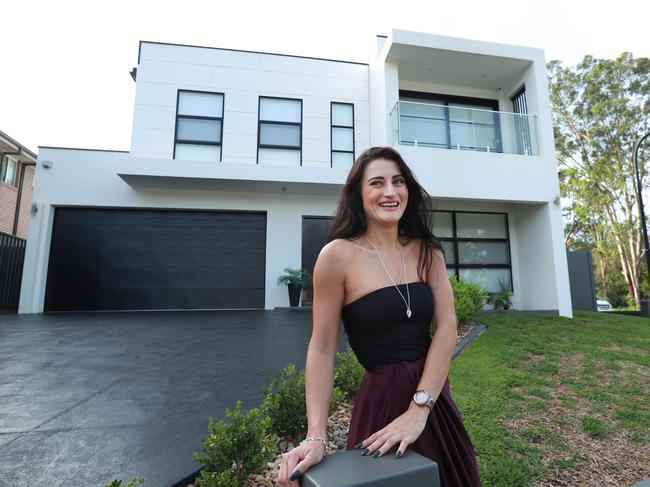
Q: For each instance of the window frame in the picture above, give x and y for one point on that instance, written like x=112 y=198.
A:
x=332 y=127
x=276 y=122
x=488 y=103
x=454 y=240
x=519 y=102
x=4 y=166
x=199 y=117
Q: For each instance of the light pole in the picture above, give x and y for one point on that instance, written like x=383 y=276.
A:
x=645 y=305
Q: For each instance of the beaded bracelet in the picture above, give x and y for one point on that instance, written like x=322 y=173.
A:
x=320 y=439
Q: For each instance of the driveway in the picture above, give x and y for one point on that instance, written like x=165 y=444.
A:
x=85 y=398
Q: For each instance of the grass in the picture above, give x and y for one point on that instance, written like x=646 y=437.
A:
x=541 y=395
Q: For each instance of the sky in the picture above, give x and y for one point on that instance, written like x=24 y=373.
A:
x=64 y=69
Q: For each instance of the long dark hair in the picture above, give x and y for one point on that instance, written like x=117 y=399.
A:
x=416 y=222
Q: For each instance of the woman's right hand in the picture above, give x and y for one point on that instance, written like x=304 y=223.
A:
x=299 y=460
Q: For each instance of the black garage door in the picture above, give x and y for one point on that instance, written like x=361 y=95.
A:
x=110 y=259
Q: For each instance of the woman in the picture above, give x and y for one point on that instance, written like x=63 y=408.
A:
x=382 y=272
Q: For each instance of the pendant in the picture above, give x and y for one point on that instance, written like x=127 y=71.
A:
x=408 y=312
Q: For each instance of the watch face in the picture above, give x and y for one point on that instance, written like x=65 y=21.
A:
x=421 y=397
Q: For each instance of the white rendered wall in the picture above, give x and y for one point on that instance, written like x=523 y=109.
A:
x=542 y=259
x=243 y=77
x=101 y=187
x=449 y=173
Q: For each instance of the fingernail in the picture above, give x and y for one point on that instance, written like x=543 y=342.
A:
x=365 y=452
x=358 y=446
x=399 y=454
x=295 y=475
x=377 y=454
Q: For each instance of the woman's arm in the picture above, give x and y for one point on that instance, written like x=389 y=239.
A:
x=442 y=346
x=408 y=427
x=329 y=292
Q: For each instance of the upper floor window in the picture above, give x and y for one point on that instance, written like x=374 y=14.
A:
x=448 y=121
x=279 y=131
x=8 y=168
x=522 y=122
x=199 y=126
x=342 y=134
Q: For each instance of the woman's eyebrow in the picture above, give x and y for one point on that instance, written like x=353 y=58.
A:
x=382 y=177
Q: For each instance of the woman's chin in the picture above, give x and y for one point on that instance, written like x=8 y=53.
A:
x=389 y=219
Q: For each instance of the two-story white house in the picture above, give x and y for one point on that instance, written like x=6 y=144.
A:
x=237 y=160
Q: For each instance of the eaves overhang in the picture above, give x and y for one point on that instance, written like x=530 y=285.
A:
x=16 y=150
x=457 y=62
x=146 y=173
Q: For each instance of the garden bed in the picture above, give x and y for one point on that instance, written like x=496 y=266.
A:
x=337 y=429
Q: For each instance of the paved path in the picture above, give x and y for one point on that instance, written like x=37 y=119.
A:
x=85 y=398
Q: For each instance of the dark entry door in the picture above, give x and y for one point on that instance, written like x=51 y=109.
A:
x=120 y=259
x=314 y=238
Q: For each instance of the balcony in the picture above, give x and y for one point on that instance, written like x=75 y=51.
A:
x=461 y=128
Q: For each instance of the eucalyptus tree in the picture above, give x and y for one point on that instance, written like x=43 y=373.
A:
x=601 y=107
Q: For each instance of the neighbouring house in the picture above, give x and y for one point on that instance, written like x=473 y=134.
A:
x=237 y=160
x=17 y=168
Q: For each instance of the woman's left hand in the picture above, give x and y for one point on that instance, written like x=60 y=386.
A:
x=402 y=431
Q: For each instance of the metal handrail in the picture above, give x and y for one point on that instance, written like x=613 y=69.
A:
x=462 y=108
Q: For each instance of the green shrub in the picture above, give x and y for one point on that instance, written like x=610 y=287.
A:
x=348 y=374
x=468 y=299
x=284 y=403
x=236 y=449
x=130 y=483
x=220 y=479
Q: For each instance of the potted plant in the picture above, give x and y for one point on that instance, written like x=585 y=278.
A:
x=295 y=280
x=501 y=298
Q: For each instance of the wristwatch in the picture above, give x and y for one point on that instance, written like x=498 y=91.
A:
x=423 y=398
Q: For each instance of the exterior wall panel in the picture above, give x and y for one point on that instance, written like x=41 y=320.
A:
x=242 y=77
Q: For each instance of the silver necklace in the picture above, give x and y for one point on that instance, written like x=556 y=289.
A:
x=407 y=303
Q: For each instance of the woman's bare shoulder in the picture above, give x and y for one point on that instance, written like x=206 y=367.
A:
x=335 y=251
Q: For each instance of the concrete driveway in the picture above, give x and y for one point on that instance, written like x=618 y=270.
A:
x=85 y=398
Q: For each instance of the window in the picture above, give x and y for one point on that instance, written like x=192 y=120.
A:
x=342 y=134
x=199 y=126
x=451 y=122
x=8 y=169
x=522 y=127
x=279 y=131
x=477 y=247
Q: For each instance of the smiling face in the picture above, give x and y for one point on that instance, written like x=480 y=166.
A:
x=383 y=191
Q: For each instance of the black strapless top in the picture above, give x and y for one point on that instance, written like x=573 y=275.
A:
x=379 y=331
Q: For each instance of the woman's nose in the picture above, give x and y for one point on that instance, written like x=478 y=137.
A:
x=389 y=189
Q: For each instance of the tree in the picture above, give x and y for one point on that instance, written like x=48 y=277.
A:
x=600 y=109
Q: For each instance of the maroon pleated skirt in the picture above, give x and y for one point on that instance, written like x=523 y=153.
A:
x=386 y=392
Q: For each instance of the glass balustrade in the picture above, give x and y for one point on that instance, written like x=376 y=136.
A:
x=462 y=128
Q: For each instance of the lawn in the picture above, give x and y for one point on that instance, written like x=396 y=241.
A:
x=554 y=401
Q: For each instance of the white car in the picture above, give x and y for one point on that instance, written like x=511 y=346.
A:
x=603 y=305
